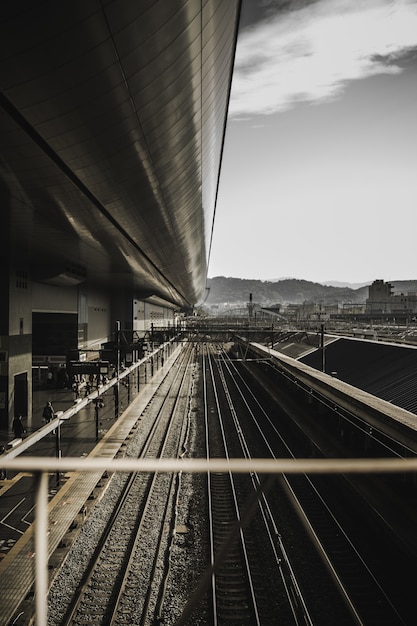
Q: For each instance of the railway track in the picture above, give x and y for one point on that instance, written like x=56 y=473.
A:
x=123 y=581
x=353 y=567
x=250 y=577
x=278 y=551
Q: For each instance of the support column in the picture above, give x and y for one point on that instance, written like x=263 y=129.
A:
x=15 y=347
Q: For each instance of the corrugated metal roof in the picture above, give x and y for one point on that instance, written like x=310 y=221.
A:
x=387 y=371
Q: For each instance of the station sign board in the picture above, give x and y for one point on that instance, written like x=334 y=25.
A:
x=89 y=367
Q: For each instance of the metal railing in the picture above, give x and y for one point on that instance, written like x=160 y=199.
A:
x=40 y=467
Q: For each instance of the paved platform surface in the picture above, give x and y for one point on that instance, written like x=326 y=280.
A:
x=67 y=498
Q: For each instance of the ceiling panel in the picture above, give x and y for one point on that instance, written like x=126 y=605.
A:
x=111 y=130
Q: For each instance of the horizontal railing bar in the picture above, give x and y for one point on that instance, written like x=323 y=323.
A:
x=263 y=466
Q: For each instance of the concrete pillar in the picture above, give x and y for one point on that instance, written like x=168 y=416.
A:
x=15 y=347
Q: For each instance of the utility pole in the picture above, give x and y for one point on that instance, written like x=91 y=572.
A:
x=323 y=354
x=250 y=308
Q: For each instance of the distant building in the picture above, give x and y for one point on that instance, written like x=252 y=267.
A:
x=382 y=300
x=315 y=311
x=353 y=308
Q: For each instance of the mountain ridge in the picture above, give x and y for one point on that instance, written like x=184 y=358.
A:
x=231 y=290
x=327 y=283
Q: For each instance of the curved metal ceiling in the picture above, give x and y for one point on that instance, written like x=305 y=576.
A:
x=111 y=132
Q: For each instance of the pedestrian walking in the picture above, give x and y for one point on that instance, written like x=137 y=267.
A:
x=18 y=427
x=76 y=389
x=48 y=412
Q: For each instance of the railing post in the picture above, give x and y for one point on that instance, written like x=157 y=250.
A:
x=96 y=410
x=58 y=448
x=41 y=548
x=117 y=387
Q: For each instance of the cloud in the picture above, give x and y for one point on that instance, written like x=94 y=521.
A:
x=309 y=55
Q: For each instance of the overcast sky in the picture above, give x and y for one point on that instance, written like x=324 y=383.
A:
x=319 y=174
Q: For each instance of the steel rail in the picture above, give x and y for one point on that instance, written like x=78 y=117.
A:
x=235 y=500
x=292 y=588
x=119 y=506
x=174 y=486
x=209 y=498
x=297 y=505
x=300 y=509
x=185 y=437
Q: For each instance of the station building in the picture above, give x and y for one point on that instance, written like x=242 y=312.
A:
x=112 y=128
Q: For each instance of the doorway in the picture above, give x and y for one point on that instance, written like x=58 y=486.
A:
x=21 y=394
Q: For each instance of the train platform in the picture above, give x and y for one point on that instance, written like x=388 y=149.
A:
x=62 y=399
x=66 y=501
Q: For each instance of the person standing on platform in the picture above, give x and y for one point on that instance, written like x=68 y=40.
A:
x=48 y=412
x=18 y=427
x=76 y=389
